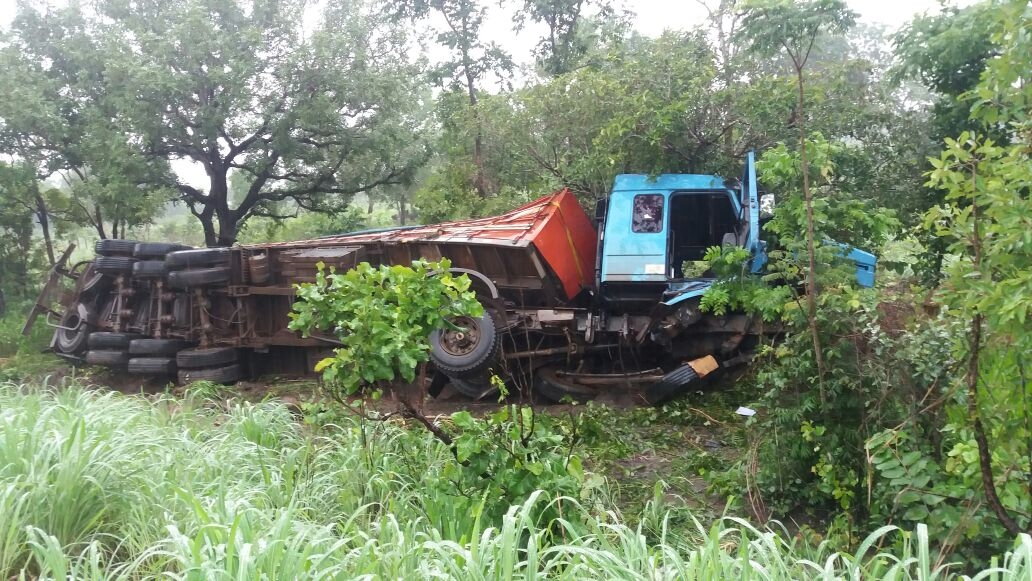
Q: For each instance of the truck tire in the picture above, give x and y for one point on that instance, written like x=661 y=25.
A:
x=477 y=389
x=106 y=341
x=202 y=257
x=196 y=277
x=106 y=357
x=467 y=353
x=157 y=250
x=228 y=374
x=113 y=264
x=158 y=347
x=73 y=342
x=114 y=247
x=97 y=283
x=209 y=357
x=150 y=269
x=152 y=365
x=672 y=384
x=556 y=390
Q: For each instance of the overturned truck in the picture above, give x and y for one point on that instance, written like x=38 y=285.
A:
x=574 y=307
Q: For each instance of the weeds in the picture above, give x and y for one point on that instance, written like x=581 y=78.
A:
x=102 y=485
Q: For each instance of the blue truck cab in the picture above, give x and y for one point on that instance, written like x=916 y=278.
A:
x=652 y=225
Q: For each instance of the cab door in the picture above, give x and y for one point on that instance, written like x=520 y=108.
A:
x=750 y=202
x=751 y=213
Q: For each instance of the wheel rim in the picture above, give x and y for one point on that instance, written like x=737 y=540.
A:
x=68 y=337
x=461 y=341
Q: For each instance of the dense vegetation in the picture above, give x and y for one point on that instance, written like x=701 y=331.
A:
x=102 y=486
x=906 y=405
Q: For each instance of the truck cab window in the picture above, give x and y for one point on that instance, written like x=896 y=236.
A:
x=648 y=213
x=698 y=221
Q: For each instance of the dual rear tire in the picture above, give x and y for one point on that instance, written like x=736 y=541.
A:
x=215 y=364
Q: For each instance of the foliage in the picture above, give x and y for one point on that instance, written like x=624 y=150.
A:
x=969 y=478
x=737 y=289
x=501 y=459
x=18 y=258
x=473 y=59
x=305 y=225
x=105 y=486
x=947 y=52
x=62 y=120
x=12 y=342
x=382 y=318
x=771 y=26
x=311 y=118
x=572 y=34
x=815 y=457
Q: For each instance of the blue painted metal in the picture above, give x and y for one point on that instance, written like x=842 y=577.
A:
x=640 y=256
x=641 y=183
x=680 y=291
x=751 y=200
x=629 y=256
x=866 y=264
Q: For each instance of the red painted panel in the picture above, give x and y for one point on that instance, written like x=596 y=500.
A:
x=567 y=241
x=555 y=225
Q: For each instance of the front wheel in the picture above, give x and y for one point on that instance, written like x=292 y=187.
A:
x=469 y=349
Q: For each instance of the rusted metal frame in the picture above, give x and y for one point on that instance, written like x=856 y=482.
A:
x=537 y=215
x=159 y=318
x=45 y=297
x=571 y=349
x=202 y=303
x=122 y=293
x=647 y=376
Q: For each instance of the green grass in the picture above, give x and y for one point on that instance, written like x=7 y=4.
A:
x=103 y=485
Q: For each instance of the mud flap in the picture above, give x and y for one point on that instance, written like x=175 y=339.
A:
x=677 y=381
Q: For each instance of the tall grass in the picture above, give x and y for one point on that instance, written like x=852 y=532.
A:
x=101 y=485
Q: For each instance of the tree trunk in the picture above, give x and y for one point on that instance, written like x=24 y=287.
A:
x=211 y=238
x=811 y=252
x=98 y=222
x=479 y=181
x=227 y=229
x=226 y=217
x=43 y=216
x=206 y=218
x=402 y=214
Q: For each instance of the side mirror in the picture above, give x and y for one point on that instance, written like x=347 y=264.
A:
x=766 y=206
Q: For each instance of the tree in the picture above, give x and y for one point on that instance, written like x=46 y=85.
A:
x=236 y=88
x=472 y=60
x=574 y=28
x=987 y=220
x=947 y=53
x=58 y=117
x=15 y=227
x=772 y=26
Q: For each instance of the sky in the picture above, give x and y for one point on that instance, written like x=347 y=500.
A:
x=653 y=16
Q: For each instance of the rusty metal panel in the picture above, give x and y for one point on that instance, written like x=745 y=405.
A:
x=512 y=248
